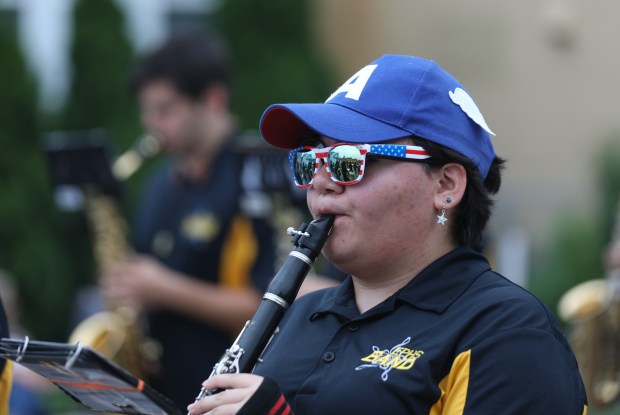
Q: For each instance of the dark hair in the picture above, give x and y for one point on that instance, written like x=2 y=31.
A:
x=472 y=214
x=191 y=62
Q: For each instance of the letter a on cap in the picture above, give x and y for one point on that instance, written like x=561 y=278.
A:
x=355 y=85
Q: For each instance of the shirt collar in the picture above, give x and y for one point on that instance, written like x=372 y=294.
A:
x=443 y=281
x=435 y=288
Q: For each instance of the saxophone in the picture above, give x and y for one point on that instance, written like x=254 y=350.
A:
x=116 y=333
x=592 y=309
x=255 y=336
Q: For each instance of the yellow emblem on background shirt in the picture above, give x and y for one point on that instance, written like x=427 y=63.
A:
x=200 y=226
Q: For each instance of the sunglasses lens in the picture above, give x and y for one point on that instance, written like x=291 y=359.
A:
x=345 y=163
x=304 y=162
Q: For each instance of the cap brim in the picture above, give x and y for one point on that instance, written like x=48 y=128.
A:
x=287 y=125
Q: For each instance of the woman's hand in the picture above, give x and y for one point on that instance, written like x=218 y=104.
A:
x=237 y=389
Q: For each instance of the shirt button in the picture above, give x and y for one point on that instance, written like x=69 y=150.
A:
x=353 y=327
x=328 y=356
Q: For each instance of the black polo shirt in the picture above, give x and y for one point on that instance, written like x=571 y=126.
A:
x=458 y=339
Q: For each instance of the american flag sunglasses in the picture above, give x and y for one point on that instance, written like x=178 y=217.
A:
x=345 y=162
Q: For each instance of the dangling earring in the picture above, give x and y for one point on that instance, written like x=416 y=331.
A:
x=441 y=218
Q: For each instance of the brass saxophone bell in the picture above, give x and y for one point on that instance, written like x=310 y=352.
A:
x=585 y=300
x=104 y=331
x=592 y=312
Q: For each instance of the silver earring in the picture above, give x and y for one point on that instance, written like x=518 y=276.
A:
x=441 y=219
x=448 y=200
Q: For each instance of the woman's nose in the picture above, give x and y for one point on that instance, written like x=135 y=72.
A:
x=322 y=182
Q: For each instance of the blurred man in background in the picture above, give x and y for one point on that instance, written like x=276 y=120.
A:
x=204 y=251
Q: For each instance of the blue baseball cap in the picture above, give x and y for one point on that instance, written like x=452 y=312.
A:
x=395 y=96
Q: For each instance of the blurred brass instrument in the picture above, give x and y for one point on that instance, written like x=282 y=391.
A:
x=117 y=333
x=592 y=309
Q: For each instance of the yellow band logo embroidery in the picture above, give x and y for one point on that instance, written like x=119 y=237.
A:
x=200 y=226
x=398 y=357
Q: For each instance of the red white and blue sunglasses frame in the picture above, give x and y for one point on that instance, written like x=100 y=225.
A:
x=387 y=151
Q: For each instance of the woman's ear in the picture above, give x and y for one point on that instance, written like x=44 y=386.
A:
x=451 y=184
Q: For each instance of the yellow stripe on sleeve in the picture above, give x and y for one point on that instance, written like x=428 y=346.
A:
x=239 y=254
x=5 y=387
x=454 y=387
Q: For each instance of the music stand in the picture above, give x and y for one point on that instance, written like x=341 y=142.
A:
x=88 y=377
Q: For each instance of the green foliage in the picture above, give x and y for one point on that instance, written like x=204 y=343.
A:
x=99 y=97
x=101 y=56
x=576 y=250
x=273 y=56
x=608 y=174
x=29 y=248
x=574 y=255
x=611 y=410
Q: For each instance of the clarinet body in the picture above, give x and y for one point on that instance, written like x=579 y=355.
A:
x=245 y=352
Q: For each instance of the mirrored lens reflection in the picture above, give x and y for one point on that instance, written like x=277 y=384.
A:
x=345 y=163
x=305 y=162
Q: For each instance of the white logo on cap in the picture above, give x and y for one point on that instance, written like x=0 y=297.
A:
x=355 y=84
x=469 y=107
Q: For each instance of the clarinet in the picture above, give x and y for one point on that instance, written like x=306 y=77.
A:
x=253 y=339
